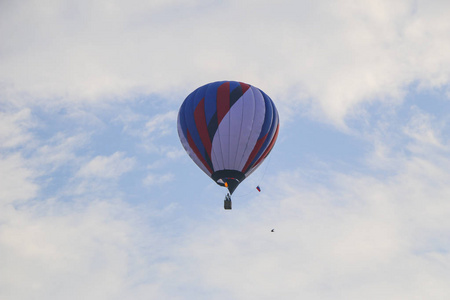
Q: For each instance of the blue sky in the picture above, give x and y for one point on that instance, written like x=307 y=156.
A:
x=100 y=201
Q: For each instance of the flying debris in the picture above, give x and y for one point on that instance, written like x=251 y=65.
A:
x=228 y=128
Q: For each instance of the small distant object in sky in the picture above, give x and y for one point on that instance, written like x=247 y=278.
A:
x=258 y=188
x=273 y=230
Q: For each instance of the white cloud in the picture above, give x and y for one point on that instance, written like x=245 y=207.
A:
x=341 y=237
x=14 y=128
x=111 y=166
x=161 y=124
x=395 y=139
x=175 y=153
x=16 y=179
x=332 y=55
x=158 y=179
x=58 y=151
x=60 y=250
x=352 y=235
x=420 y=128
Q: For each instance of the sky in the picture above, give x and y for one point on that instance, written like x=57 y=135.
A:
x=98 y=199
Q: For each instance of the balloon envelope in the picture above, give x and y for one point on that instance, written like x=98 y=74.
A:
x=228 y=128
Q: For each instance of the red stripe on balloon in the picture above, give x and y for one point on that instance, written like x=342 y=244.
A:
x=255 y=151
x=223 y=101
x=244 y=87
x=202 y=127
x=267 y=151
x=196 y=151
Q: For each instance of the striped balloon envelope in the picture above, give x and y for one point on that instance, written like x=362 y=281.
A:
x=228 y=128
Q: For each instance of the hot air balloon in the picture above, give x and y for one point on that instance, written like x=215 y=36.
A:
x=228 y=128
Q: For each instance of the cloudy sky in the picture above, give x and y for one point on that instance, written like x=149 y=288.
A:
x=99 y=200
